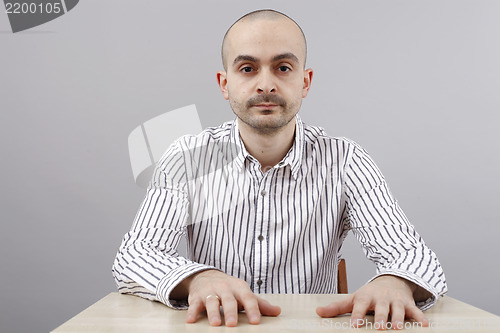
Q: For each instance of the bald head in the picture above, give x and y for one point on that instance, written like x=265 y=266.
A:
x=250 y=18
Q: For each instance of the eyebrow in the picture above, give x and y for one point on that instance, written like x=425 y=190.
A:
x=244 y=58
x=287 y=55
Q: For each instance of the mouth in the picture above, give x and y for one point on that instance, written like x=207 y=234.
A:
x=265 y=106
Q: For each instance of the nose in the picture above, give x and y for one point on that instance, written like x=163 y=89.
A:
x=266 y=83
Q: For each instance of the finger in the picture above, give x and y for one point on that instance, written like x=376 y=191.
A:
x=251 y=306
x=359 y=309
x=194 y=309
x=230 y=309
x=336 y=308
x=397 y=316
x=381 y=315
x=267 y=309
x=212 y=304
x=412 y=312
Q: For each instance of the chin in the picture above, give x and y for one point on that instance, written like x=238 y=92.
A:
x=269 y=122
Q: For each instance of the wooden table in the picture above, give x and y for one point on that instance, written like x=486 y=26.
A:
x=125 y=313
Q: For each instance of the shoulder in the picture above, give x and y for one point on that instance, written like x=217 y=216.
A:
x=317 y=136
x=209 y=135
x=212 y=144
x=191 y=152
x=339 y=152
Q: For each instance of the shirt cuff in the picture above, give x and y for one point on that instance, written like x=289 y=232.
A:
x=422 y=305
x=172 y=279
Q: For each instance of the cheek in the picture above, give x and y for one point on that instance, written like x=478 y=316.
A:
x=235 y=97
x=295 y=85
x=238 y=85
x=296 y=91
x=237 y=92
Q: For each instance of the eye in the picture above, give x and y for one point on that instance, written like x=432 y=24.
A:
x=246 y=69
x=284 y=69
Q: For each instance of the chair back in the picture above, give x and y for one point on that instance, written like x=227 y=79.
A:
x=342 y=278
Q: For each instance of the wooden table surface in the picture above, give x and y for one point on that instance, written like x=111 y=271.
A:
x=125 y=313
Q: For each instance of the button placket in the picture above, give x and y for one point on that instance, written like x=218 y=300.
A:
x=261 y=228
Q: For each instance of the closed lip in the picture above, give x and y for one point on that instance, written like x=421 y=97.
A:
x=265 y=105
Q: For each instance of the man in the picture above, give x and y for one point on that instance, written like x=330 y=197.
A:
x=266 y=202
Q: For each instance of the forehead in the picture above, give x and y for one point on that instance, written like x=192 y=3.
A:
x=264 y=38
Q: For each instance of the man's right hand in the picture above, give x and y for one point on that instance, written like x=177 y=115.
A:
x=232 y=293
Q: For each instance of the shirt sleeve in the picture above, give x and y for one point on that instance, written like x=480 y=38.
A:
x=386 y=235
x=147 y=263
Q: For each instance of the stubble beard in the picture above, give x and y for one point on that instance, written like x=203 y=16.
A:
x=267 y=127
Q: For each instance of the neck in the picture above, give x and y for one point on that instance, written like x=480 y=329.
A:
x=269 y=148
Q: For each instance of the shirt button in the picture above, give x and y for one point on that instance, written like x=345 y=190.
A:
x=281 y=163
x=260 y=238
x=263 y=193
x=259 y=282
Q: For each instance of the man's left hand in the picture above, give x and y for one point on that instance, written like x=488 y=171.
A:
x=386 y=295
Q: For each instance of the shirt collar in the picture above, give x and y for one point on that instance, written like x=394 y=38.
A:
x=292 y=158
x=295 y=154
x=239 y=160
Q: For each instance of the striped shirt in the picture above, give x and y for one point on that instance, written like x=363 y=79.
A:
x=280 y=229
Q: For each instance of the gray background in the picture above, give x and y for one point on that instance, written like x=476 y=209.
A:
x=414 y=82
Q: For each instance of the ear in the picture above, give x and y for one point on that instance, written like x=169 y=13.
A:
x=308 y=75
x=222 y=81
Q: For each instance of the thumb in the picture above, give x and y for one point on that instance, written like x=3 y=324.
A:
x=267 y=309
x=336 y=308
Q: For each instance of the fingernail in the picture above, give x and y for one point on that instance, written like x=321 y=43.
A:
x=379 y=325
x=357 y=322
x=254 y=318
x=231 y=321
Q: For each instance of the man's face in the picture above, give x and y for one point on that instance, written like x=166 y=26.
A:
x=265 y=79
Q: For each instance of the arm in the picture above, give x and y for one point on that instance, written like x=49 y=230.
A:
x=404 y=263
x=147 y=263
x=387 y=237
